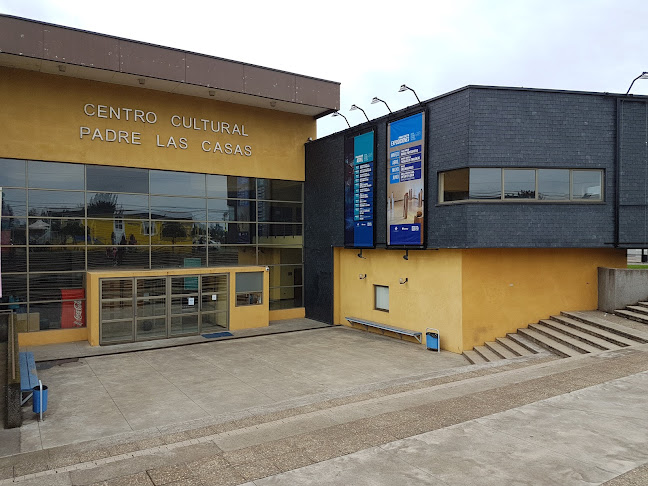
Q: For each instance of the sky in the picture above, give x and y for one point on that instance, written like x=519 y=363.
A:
x=372 y=47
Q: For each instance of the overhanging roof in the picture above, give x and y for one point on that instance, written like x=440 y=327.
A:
x=38 y=46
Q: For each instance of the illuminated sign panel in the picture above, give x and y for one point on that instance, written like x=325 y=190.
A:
x=359 y=182
x=406 y=181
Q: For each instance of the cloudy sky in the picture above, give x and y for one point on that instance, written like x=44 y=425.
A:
x=373 y=47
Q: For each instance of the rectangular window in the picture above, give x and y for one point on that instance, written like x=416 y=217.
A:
x=485 y=184
x=278 y=190
x=249 y=288
x=12 y=173
x=586 y=184
x=117 y=179
x=177 y=183
x=108 y=204
x=455 y=185
x=553 y=184
x=382 y=297
x=55 y=175
x=519 y=183
x=233 y=187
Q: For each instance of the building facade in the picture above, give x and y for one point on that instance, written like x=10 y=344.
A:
x=526 y=192
x=148 y=192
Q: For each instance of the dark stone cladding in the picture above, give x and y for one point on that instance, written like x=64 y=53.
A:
x=495 y=127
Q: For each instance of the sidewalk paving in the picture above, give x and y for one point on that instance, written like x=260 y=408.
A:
x=541 y=420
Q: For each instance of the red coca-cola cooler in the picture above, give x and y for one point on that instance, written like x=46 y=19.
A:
x=73 y=308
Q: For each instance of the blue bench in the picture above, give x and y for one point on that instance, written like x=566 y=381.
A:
x=384 y=327
x=28 y=377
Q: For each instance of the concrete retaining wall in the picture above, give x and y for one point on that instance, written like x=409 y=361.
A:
x=618 y=287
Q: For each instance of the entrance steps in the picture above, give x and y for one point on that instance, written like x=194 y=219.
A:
x=511 y=346
x=568 y=334
x=638 y=312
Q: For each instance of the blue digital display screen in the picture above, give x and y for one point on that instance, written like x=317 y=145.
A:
x=406 y=181
x=359 y=181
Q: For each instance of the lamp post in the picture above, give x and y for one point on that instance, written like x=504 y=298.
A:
x=337 y=113
x=356 y=107
x=404 y=87
x=643 y=75
x=378 y=100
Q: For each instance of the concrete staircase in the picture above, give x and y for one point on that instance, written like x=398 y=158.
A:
x=637 y=312
x=511 y=346
x=566 y=335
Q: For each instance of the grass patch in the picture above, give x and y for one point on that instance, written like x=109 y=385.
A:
x=638 y=267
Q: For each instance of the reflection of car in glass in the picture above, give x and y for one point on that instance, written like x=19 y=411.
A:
x=201 y=241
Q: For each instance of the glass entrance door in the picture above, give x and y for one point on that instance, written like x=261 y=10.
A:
x=214 y=304
x=116 y=316
x=150 y=308
x=185 y=305
x=145 y=308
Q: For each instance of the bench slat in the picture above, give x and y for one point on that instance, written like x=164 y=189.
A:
x=385 y=327
x=28 y=376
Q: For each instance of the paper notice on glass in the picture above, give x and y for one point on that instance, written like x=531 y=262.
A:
x=190 y=301
x=214 y=297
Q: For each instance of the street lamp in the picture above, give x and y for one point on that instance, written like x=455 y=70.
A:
x=643 y=75
x=356 y=107
x=337 y=113
x=404 y=87
x=378 y=100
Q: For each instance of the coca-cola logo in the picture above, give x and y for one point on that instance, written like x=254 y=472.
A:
x=78 y=313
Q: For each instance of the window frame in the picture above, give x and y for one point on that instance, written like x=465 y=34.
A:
x=376 y=297
x=536 y=199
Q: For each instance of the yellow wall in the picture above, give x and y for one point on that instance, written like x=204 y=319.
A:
x=471 y=296
x=430 y=298
x=52 y=337
x=294 y=313
x=42 y=114
x=505 y=289
x=243 y=317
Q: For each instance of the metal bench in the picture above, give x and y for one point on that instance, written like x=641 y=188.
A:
x=384 y=327
x=28 y=377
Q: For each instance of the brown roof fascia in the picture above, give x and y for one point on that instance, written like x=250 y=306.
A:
x=66 y=45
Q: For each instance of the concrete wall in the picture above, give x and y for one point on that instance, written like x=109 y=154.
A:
x=618 y=287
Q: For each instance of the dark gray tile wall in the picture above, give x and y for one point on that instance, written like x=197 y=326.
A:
x=493 y=127
x=323 y=223
x=633 y=173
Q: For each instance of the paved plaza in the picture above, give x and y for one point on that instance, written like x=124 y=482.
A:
x=334 y=406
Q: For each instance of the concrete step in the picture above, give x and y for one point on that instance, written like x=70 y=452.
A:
x=592 y=340
x=502 y=351
x=526 y=343
x=474 y=358
x=639 y=309
x=643 y=304
x=621 y=330
x=548 y=343
x=635 y=316
x=486 y=353
x=564 y=339
x=514 y=347
x=609 y=336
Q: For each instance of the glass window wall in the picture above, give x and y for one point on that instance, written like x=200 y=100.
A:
x=61 y=219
